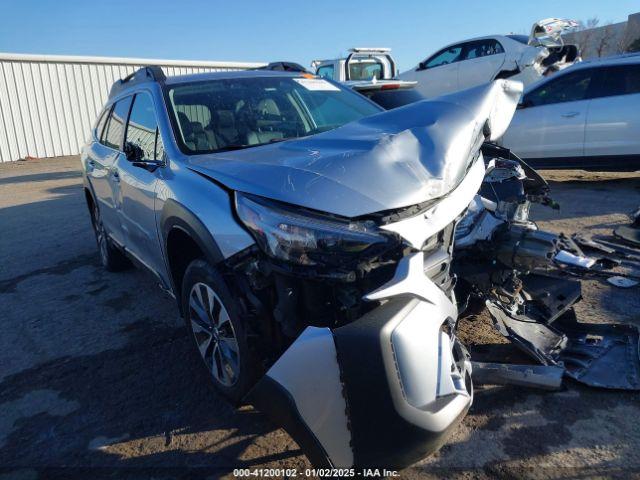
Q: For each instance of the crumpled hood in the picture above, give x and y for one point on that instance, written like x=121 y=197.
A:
x=386 y=161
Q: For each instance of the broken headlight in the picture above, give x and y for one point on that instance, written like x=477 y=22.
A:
x=306 y=238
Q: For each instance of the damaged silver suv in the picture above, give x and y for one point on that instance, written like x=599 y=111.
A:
x=307 y=237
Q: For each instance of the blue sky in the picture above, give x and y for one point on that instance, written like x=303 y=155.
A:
x=250 y=30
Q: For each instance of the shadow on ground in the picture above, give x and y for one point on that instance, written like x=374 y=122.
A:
x=98 y=410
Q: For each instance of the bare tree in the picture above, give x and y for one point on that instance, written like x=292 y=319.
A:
x=584 y=34
x=626 y=42
x=606 y=36
x=634 y=46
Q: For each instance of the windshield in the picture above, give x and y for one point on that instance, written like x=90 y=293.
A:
x=218 y=115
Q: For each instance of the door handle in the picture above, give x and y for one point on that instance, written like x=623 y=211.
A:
x=570 y=114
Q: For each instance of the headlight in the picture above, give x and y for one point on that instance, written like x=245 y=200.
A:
x=306 y=239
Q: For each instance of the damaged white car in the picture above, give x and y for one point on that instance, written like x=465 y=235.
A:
x=480 y=60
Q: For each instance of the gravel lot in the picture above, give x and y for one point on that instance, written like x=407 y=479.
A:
x=96 y=374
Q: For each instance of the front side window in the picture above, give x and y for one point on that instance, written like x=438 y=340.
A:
x=246 y=112
x=444 y=57
x=142 y=130
x=114 y=130
x=482 y=48
x=326 y=71
x=365 y=70
x=569 y=87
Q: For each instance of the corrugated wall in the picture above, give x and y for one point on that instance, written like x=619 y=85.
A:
x=49 y=103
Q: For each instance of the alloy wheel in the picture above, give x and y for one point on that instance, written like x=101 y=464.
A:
x=214 y=334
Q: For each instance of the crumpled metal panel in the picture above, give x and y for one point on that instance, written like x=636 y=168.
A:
x=601 y=355
x=390 y=160
x=598 y=355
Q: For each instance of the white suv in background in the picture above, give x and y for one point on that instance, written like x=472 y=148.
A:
x=480 y=60
x=585 y=117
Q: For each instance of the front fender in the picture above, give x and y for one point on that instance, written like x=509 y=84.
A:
x=176 y=215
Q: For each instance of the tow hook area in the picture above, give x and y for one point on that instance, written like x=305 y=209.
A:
x=383 y=391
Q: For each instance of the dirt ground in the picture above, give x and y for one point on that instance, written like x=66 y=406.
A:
x=96 y=375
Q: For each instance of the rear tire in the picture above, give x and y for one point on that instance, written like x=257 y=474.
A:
x=217 y=330
x=111 y=257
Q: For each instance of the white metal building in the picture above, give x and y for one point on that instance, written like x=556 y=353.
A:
x=48 y=103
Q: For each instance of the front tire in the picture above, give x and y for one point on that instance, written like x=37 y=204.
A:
x=111 y=258
x=217 y=330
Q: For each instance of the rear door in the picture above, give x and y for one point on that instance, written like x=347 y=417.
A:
x=138 y=181
x=481 y=62
x=101 y=166
x=551 y=120
x=613 y=119
x=438 y=75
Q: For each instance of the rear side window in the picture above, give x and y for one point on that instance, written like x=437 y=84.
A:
x=142 y=130
x=519 y=38
x=482 y=48
x=326 y=71
x=618 y=80
x=569 y=87
x=114 y=131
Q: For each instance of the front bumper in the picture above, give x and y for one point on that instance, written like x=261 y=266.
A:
x=383 y=391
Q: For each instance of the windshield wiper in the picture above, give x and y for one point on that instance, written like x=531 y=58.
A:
x=235 y=146
x=241 y=146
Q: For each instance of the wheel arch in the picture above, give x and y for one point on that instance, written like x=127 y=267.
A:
x=184 y=238
x=90 y=199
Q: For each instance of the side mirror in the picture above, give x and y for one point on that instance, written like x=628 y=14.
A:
x=525 y=103
x=133 y=152
x=421 y=66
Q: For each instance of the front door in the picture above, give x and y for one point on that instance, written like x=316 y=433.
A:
x=481 y=62
x=138 y=181
x=551 y=120
x=437 y=75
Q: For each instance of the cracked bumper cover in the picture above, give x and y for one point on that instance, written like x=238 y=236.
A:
x=386 y=389
x=383 y=391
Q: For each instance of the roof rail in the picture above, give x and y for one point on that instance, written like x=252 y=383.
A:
x=151 y=73
x=610 y=58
